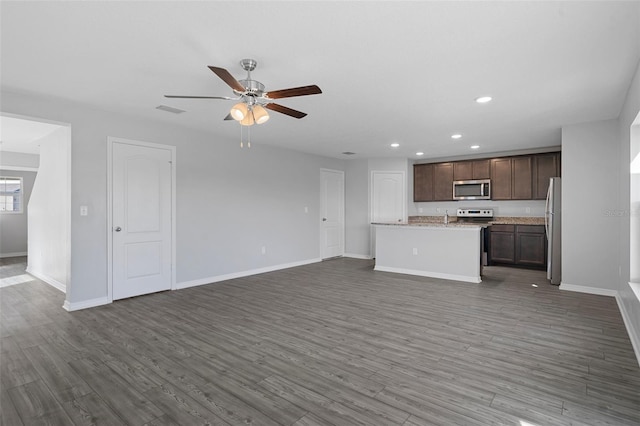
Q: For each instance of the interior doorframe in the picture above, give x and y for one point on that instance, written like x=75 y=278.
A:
x=110 y=141
x=373 y=174
x=342 y=212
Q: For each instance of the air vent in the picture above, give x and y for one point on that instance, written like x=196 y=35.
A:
x=349 y=153
x=170 y=109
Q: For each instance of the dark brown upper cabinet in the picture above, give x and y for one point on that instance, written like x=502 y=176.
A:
x=501 y=178
x=522 y=177
x=469 y=170
x=443 y=182
x=545 y=166
x=423 y=182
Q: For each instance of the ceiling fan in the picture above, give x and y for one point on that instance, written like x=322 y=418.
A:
x=252 y=97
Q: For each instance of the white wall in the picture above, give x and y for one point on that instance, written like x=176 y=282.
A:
x=49 y=212
x=590 y=197
x=13 y=226
x=356 y=208
x=19 y=160
x=230 y=201
x=629 y=206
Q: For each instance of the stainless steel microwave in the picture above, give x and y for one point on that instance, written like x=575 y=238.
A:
x=472 y=189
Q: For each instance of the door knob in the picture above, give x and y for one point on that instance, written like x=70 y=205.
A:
x=118 y=229
x=324 y=219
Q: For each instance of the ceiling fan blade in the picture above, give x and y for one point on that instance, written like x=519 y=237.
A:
x=296 y=91
x=200 y=97
x=284 y=110
x=227 y=78
x=228 y=117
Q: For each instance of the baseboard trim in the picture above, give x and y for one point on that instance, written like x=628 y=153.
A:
x=16 y=254
x=357 y=256
x=465 y=278
x=47 y=279
x=85 y=304
x=589 y=290
x=225 y=277
x=634 y=335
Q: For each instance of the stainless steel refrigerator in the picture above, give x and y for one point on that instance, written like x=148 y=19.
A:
x=552 y=222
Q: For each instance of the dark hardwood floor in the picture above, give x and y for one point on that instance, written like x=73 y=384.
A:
x=328 y=343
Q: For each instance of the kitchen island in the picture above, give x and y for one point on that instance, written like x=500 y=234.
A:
x=449 y=251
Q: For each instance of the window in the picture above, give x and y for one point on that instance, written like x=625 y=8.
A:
x=10 y=194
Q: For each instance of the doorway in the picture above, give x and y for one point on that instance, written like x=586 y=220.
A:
x=141 y=224
x=388 y=200
x=332 y=213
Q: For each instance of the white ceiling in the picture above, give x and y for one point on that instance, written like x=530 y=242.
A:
x=405 y=72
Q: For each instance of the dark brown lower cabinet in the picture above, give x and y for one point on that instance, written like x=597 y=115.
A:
x=502 y=244
x=518 y=245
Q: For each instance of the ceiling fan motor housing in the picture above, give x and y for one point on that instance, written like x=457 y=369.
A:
x=251 y=87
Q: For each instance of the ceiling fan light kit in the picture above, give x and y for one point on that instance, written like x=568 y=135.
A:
x=253 y=100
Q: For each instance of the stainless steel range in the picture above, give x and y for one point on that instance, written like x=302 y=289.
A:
x=478 y=216
x=483 y=215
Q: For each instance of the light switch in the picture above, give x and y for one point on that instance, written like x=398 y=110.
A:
x=84 y=210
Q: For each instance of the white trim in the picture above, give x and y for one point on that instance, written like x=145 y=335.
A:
x=634 y=335
x=218 y=278
x=357 y=256
x=16 y=254
x=92 y=303
x=465 y=278
x=589 y=290
x=19 y=168
x=635 y=287
x=172 y=149
x=47 y=279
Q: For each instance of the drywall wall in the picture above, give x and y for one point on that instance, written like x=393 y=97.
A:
x=230 y=201
x=49 y=216
x=356 y=208
x=19 y=161
x=13 y=226
x=590 y=199
x=629 y=208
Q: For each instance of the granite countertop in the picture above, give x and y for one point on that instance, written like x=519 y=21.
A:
x=432 y=224
x=510 y=220
x=518 y=221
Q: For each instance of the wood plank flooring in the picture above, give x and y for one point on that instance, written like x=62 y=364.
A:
x=332 y=343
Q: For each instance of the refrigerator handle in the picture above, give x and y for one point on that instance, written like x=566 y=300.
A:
x=546 y=211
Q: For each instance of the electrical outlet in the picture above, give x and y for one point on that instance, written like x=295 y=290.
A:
x=84 y=211
x=527 y=209
x=420 y=210
x=438 y=210
x=306 y=209
x=264 y=250
x=415 y=251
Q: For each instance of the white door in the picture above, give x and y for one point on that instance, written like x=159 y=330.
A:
x=388 y=200
x=141 y=220
x=332 y=213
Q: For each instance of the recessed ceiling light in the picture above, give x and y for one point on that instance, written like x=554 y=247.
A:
x=474 y=146
x=483 y=99
x=419 y=153
x=456 y=136
x=395 y=145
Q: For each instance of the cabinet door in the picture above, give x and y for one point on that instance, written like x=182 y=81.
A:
x=502 y=244
x=545 y=166
x=463 y=170
x=443 y=181
x=482 y=169
x=531 y=247
x=501 y=179
x=522 y=174
x=423 y=182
